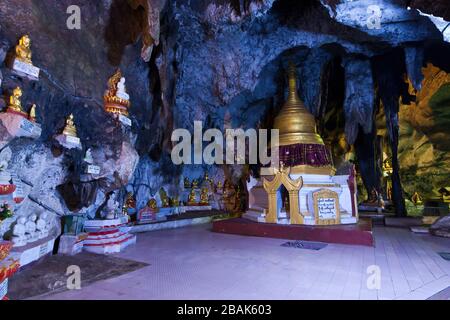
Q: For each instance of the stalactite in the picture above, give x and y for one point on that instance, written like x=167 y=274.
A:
x=366 y=153
x=389 y=73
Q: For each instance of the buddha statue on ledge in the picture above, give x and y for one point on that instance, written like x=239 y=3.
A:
x=187 y=183
x=15 y=105
x=192 y=199
x=70 y=129
x=23 y=50
x=116 y=99
x=22 y=63
x=204 y=197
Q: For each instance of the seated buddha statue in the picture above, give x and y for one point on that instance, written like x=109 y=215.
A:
x=23 y=50
x=175 y=202
x=187 y=183
x=417 y=199
x=192 y=199
x=204 y=197
x=116 y=99
x=70 y=129
x=153 y=205
x=195 y=184
x=130 y=202
x=164 y=198
x=15 y=104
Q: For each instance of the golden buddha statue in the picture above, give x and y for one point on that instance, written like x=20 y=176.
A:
x=165 y=202
x=152 y=204
x=23 y=50
x=195 y=184
x=164 y=198
x=300 y=146
x=130 y=202
x=204 y=197
x=32 y=113
x=192 y=198
x=219 y=185
x=70 y=129
x=175 y=202
x=187 y=183
x=15 y=105
x=116 y=99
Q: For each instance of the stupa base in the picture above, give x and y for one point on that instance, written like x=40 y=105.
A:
x=354 y=234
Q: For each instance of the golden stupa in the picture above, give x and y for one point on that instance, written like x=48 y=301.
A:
x=300 y=146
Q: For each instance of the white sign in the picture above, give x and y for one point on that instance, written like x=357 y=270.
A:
x=43 y=249
x=3 y=289
x=92 y=169
x=19 y=192
x=26 y=68
x=326 y=208
x=125 y=120
x=73 y=140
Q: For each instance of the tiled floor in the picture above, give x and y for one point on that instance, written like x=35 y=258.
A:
x=194 y=263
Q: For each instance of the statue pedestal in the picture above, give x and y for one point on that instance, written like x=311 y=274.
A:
x=34 y=251
x=71 y=244
x=108 y=236
x=25 y=69
x=18 y=126
x=69 y=142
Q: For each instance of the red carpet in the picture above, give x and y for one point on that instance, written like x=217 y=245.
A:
x=358 y=234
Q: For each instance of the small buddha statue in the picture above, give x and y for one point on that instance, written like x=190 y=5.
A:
x=130 y=202
x=195 y=184
x=219 y=185
x=70 y=129
x=175 y=202
x=15 y=104
x=32 y=113
x=187 y=183
x=23 y=50
x=152 y=204
x=164 y=198
x=192 y=199
x=204 y=197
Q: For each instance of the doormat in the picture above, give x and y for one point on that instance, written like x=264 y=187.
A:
x=305 y=245
x=49 y=275
x=445 y=255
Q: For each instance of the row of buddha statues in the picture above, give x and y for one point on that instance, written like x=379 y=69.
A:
x=15 y=107
x=116 y=98
x=231 y=196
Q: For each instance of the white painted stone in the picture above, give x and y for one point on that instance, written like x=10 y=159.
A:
x=93 y=169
